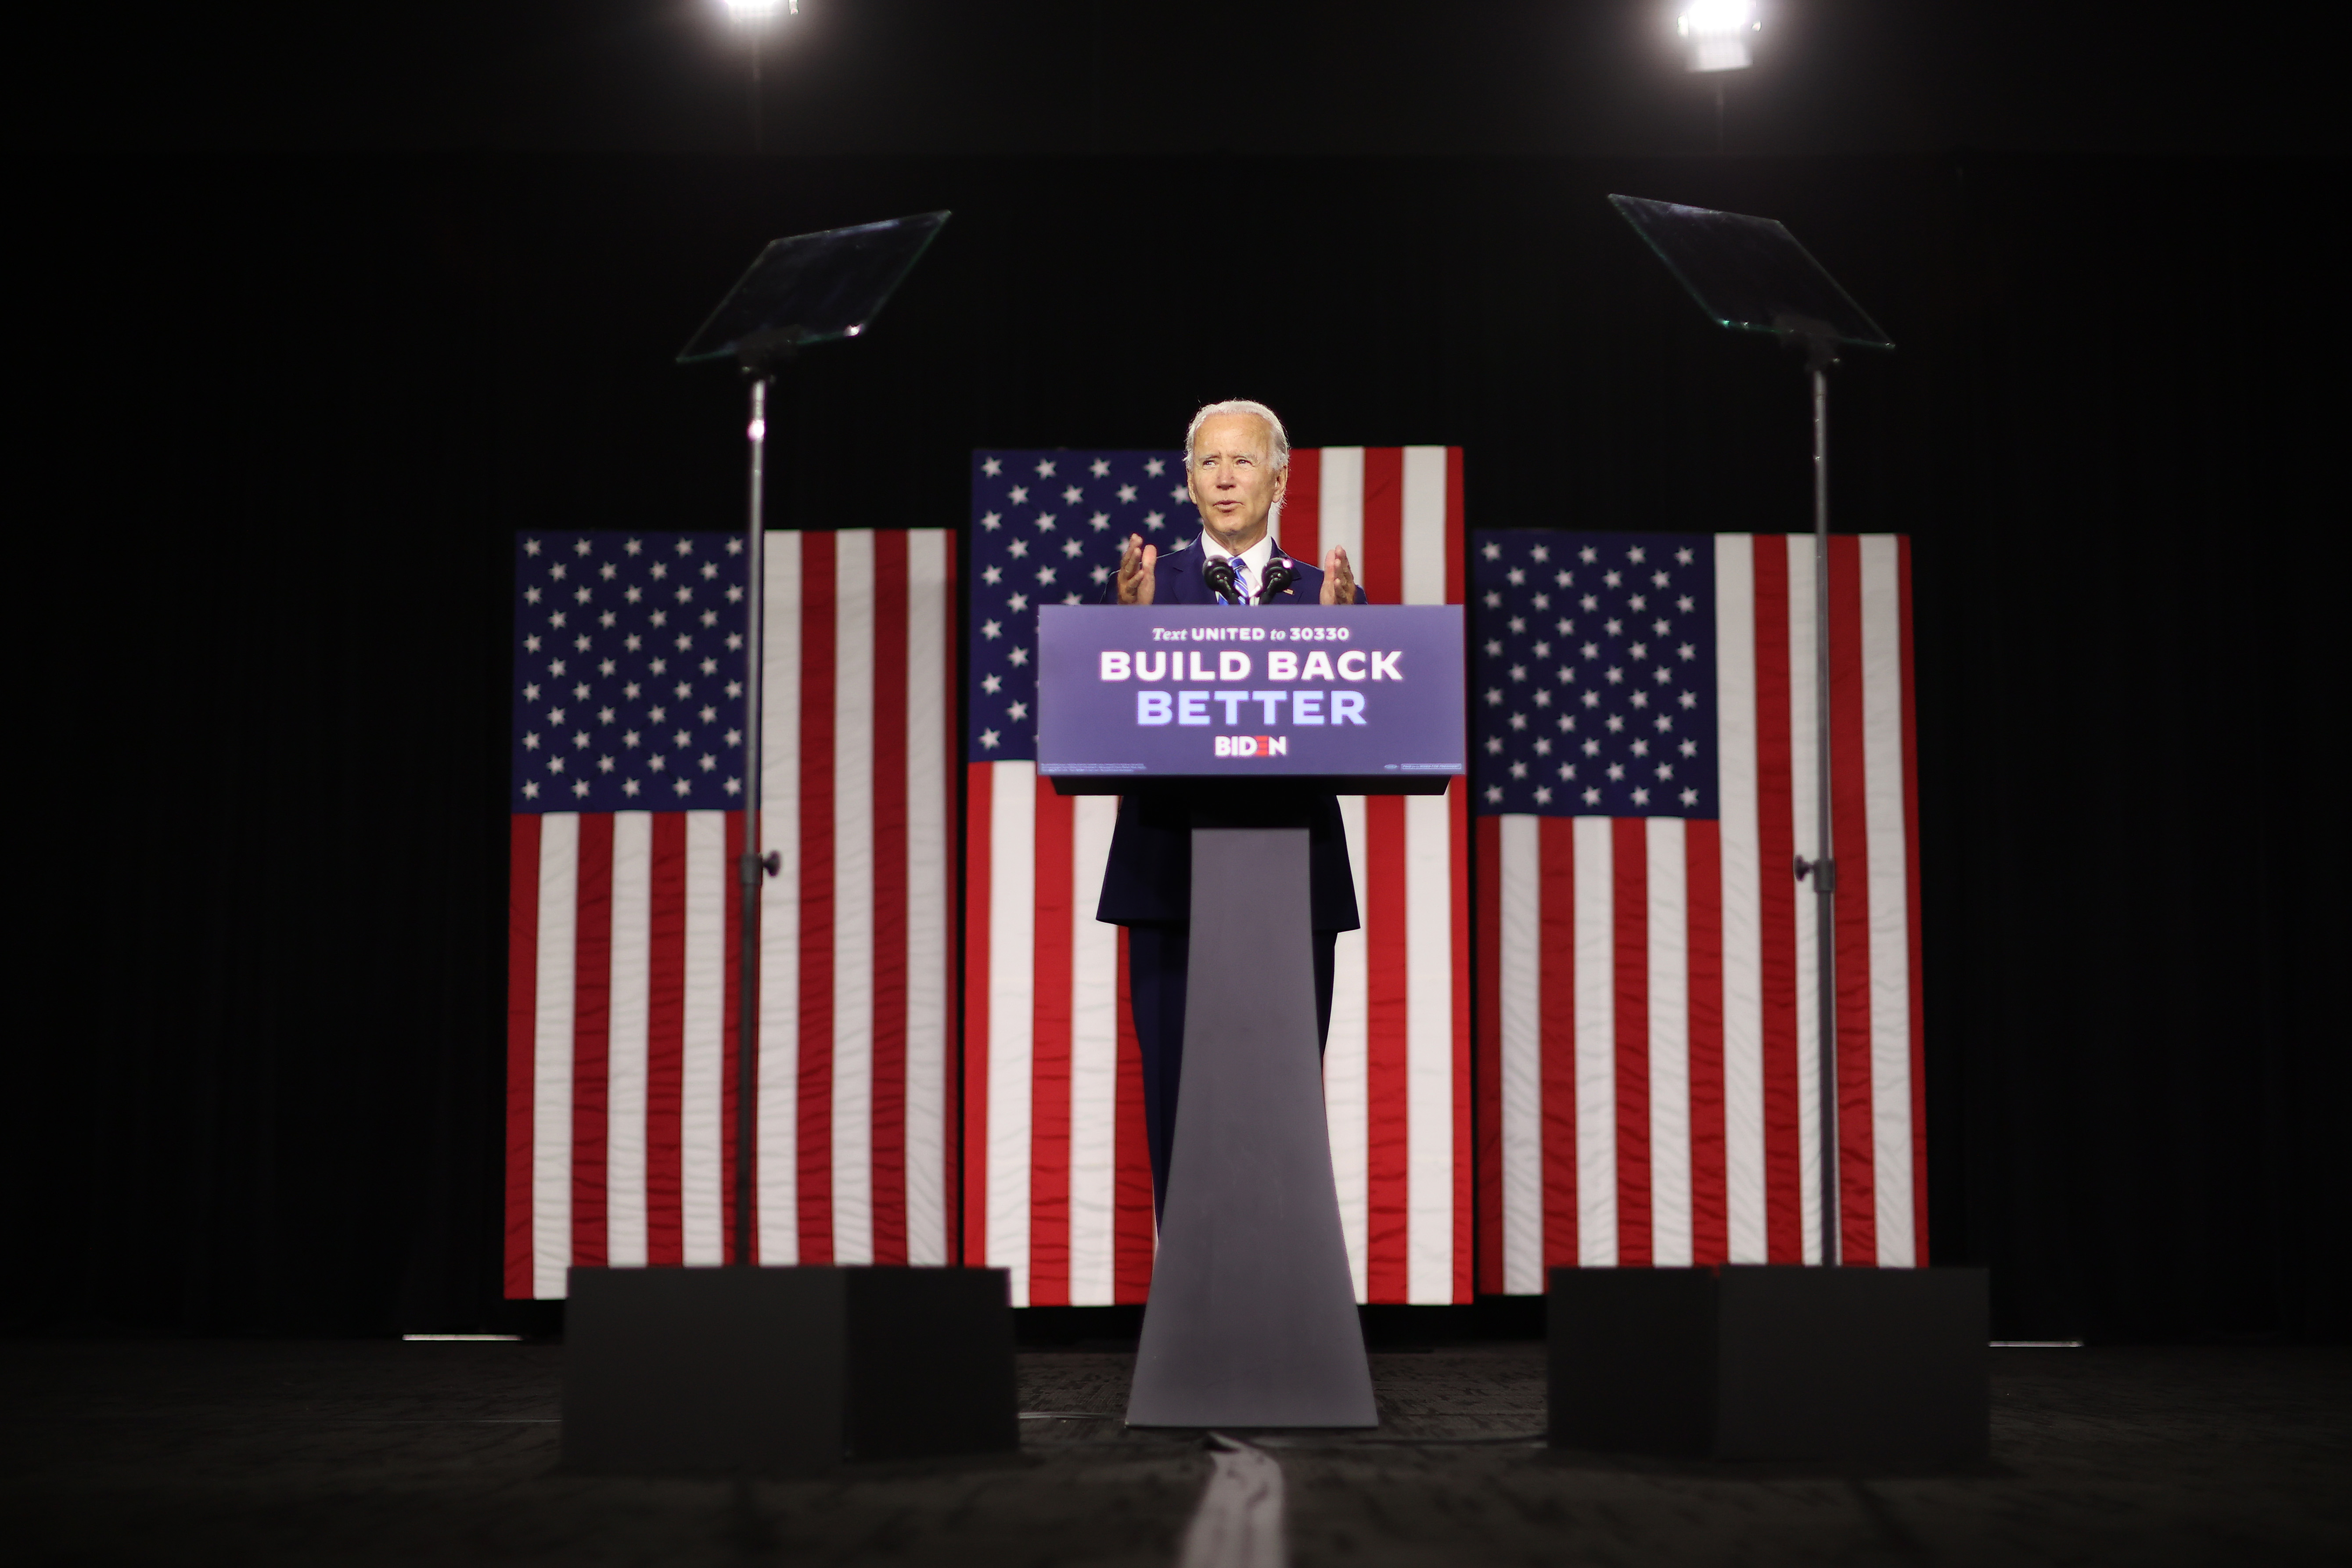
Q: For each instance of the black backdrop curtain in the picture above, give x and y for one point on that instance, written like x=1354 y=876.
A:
x=275 y=421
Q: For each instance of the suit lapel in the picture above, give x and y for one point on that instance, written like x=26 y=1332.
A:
x=1182 y=579
x=1299 y=570
x=1183 y=583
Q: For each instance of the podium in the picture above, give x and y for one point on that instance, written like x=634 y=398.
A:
x=1251 y=1318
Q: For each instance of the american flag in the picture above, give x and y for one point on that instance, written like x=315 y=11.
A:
x=623 y=914
x=1056 y=1182
x=1645 y=730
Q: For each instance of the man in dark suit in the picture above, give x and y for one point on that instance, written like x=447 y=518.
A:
x=1236 y=464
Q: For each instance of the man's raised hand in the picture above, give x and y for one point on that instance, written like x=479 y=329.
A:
x=1338 y=578
x=1135 y=570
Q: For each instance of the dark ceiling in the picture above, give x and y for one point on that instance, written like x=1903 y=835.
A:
x=1311 y=76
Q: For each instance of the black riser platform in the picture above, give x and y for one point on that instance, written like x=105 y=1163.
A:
x=784 y=1370
x=1873 y=1366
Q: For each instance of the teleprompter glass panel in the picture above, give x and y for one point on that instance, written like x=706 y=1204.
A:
x=817 y=287
x=1750 y=273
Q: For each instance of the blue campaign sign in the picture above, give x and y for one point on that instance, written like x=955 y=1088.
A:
x=1369 y=692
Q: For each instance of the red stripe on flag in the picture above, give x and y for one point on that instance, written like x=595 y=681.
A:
x=820 y=612
x=1556 y=957
x=522 y=1024
x=1131 y=1232
x=979 y=798
x=664 y=1038
x=1049 y=1071
x=1489 y=1040
x=1464 y=1196
x=1776 y=845
x=1302 y=507
x=1703 y=890
x=1387 y=1152
x=1911 y=897
x=1458 y=863
x=1385 y=539
x=1629 y=850
x=592 y=1038
x=889 y=861
x=1850 y=823
x=730 y=1032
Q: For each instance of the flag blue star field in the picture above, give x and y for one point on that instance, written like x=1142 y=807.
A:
x=1048 y=529
x=1595 y=671
x=628 y=671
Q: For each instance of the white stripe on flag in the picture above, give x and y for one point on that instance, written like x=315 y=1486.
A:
x=1429 y=1048
x=1890 y=946
x=1421 y=576
x=1670 y=1143
x=551 y=1032
x=852 y=897
x=1341 y=521
x=1803 y=743
x=1094 y=1056
x=1012 y=986
x=703 y=1065
x=624 y=1093
x=780 y=904
x=1347 y=1096
x=1596 y=1044
x=1743 y=964
x=1522 y=980
x=928 y=888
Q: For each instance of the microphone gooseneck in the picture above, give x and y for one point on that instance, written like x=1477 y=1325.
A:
x=1279 y=575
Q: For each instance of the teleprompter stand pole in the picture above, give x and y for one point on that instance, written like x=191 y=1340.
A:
x=759 y=356
x=1819 y=340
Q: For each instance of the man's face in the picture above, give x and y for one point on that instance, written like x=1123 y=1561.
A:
x=1233 y=478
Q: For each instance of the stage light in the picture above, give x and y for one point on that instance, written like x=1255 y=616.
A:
x=1716 y=32
x=751 y=18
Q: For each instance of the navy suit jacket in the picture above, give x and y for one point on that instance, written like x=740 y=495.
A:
x=1149 y=879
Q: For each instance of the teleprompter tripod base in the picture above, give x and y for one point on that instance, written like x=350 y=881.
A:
x=784 y=1370
x=1252 y=1320
x=1866 y=1365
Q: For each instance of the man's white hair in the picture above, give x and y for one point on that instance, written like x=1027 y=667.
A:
x=1242 y=405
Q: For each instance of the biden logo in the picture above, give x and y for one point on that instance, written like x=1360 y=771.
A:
x=1253 y=745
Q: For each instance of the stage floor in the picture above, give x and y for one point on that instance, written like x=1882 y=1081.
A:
x=341 y=1452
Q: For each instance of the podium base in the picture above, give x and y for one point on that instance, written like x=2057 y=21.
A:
x=1873 y=1365
x=784 y=1370
x=1252 y=1320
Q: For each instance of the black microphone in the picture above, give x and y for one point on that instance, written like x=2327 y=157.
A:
x=1219 y=575
x=1279 y=575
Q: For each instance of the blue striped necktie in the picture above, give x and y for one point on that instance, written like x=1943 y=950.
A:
x=1241 y=578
